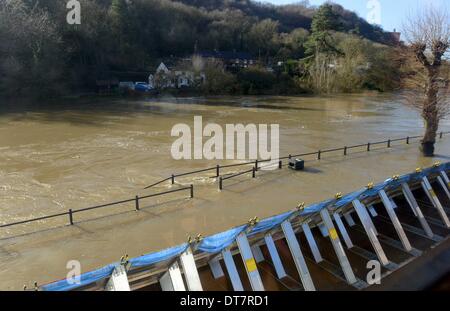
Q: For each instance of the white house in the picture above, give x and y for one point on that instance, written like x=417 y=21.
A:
x=162 y=79
x=162 y=68
x=165 y=78
x=184 y=78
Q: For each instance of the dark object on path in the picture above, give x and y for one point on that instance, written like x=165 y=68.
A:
x=297 y=164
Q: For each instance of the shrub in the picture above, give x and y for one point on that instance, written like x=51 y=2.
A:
x=256 y=80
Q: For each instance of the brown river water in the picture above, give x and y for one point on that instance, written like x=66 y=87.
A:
x=88 y=152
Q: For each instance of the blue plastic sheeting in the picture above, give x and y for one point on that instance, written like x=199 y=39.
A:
x=392 y=184
x=368 y=193
x=270 y=223
x=431 y=170
x=218 y=242
x=414 y=177
x=149 y=259
x=315 y=208
x=102 y=273
x=85 y=279
x=348 y=198
x=389 y=184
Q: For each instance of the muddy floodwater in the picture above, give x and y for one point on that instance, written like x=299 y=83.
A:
x=76 y=154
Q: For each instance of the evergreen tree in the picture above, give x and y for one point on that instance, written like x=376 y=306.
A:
x=325 y=19
x=321 y=41
x=356 y=30
x=119 y=13
x=119 y=22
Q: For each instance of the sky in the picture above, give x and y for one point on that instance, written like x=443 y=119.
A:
x=391 y=14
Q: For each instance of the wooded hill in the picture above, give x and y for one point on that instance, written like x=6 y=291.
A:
x=292 y=16
x=40 y=52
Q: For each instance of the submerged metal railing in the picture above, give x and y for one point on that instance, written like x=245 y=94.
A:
x=70 y=213
x=318 y=155
x=256 y=166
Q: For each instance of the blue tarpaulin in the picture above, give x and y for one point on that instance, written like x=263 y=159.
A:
x=84 y=279
x=270 y=223
x=315 y=208
x=96 y=275
x=160 y=256
x=218 y=242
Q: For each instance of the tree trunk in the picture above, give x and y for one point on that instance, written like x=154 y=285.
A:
x=429 y=139
x=430 y=113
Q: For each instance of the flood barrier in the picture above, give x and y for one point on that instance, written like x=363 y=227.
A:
x=245 y=241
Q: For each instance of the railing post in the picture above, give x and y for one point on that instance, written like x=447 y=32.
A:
x=217 y=170
x=345 y=150
x=220 y=183
x=280 y=164
x=368 y=147
x=192 y=191
x=319 y=155
x=389 y=143
x=173 y=179
x=71 y=217
x=407 y=140
x=137 y=202
x=254 y=173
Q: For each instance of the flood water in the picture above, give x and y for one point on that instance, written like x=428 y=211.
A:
x=76 y=154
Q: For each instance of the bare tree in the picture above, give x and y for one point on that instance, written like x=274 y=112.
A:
x=29 y=49
x=428 y=39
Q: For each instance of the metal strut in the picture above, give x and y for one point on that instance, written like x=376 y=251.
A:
x=369 y=228
x=312 y=243
x=119 y=280
x=435 y=201
x=232 y=271
x=393 y=216
x=336 y=242
x=445 y=183
x=172 y=280
x=343 y=230
x=190 y=271
x=276 y=260
x=416 y=209
x=249 y=262
x=296 y=252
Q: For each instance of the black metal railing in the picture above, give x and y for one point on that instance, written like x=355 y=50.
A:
x=257 y=165
x=318 y=155
x=70 y=213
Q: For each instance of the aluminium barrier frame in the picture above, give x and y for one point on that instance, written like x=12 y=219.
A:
x=336 y=207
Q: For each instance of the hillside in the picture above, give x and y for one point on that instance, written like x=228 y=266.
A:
x=292 y=16
x=40 y=51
